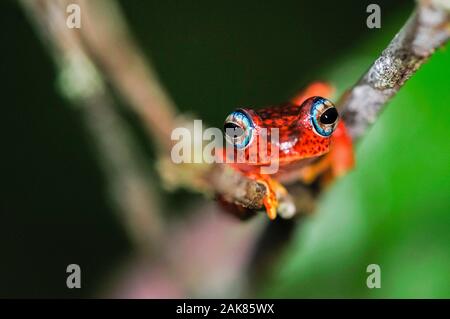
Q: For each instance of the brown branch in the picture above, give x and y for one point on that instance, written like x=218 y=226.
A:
x=109 y=42
x=426 y=30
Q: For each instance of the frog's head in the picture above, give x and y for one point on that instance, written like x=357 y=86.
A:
x=304 y=131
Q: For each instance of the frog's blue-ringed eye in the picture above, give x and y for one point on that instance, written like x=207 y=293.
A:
x=238 y=128
x=324 y=116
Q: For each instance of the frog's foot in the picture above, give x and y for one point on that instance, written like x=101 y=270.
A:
x=274 y=190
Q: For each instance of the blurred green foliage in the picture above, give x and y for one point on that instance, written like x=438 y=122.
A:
x=392 y=210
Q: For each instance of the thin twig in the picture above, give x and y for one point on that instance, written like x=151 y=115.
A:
x=108 y=40
x=426 y=30
x=79 y=80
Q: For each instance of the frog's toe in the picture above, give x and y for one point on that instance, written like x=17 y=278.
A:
x=271 y=208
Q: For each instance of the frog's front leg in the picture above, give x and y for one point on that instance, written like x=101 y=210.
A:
x=274 y=190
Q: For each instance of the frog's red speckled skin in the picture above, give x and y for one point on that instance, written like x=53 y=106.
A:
x=297 y=139
x=299 y=146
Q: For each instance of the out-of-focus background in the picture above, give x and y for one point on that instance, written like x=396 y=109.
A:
x=392 y=210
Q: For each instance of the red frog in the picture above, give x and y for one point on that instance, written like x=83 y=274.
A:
x=309 y=142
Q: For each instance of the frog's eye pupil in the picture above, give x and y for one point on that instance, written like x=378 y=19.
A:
x=329 y=116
